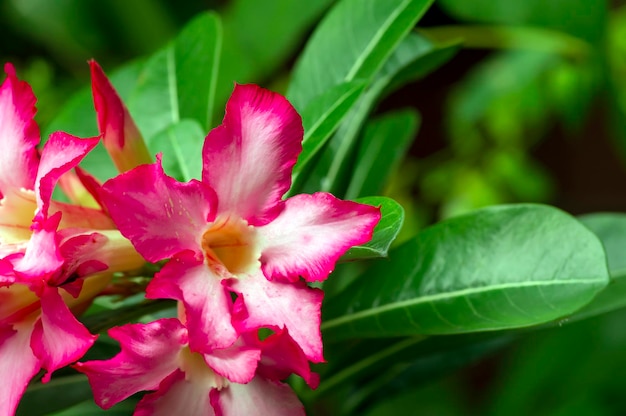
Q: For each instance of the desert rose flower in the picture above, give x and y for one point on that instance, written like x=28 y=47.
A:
x=232 y=234
x=243 y=379
x=52 y=254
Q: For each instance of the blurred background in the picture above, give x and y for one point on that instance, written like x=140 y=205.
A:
x=531 y=109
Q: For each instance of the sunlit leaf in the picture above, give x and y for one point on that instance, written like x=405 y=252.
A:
x=320 y=119
x=197 y=54
x=181 y=146
x=496 y=268
x=412 y=59
x=352 y=42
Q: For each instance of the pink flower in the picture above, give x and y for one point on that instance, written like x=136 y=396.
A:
x=240 y=380
x=232 y=233
x=46 y=248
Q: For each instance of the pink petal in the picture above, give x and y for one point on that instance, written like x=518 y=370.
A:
x=19 y=134
x=149 y=354
x=177 y=396
x=311 y=233
x=294 y=306
x=120 y=135
x=248 y=158
x=259 y=397
x=18 y=365
x=81 y=254
x=58 y=338
x=158 y=214
x=60 y=154
x=207 y=303
x=236 y=363
x=42 y=257
x=283 y=356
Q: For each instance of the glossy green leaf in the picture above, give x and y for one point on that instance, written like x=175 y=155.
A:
x=385 y=232
x=320 y=119
x=384 y=144
x=611 y=229
x=197 y=54
x=181 y=146
x=353 y=41
x=414 y=57
x=496 y=268
x=179 y=81
x=259 y=37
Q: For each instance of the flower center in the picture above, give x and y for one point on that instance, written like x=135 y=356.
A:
x=232 y=244
x=197 y=371
x=17 y=209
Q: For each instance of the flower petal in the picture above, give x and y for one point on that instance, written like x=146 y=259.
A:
x=311 y=233
x=42 y=257
x=158 y=214
x=237 y=363
x=259 y=397
x=58 y=338
x=19 y=134
x=294 y=306
x=177 y=396
x=61 y=153
x=248 y=159
x=149 y=354
x=207 y=302
x=18 y=365
x=120 y=135
x=283 y=356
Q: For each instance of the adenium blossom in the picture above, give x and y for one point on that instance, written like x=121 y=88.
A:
x=240 y=380
x=232 y=233
x=47 y=248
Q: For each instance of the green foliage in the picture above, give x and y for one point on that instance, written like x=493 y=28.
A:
x=497 y=268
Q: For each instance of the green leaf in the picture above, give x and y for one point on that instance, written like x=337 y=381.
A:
x=611 y=229
x=384 y=144
x=496 y=268
x=153 y=103
x=353 y=41
x=197 y=53
x=179 y=81
x=385 y=232
x=320 y=120
x=58 y=394
x=414 y=57
x=181 y=145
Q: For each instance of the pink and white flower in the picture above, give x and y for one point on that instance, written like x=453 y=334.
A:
x=243 y=379
x=232 y=233
x=46 y=248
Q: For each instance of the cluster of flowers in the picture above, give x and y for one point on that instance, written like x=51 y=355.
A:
x=239 y=257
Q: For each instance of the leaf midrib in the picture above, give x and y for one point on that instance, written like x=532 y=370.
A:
x=459 y=293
